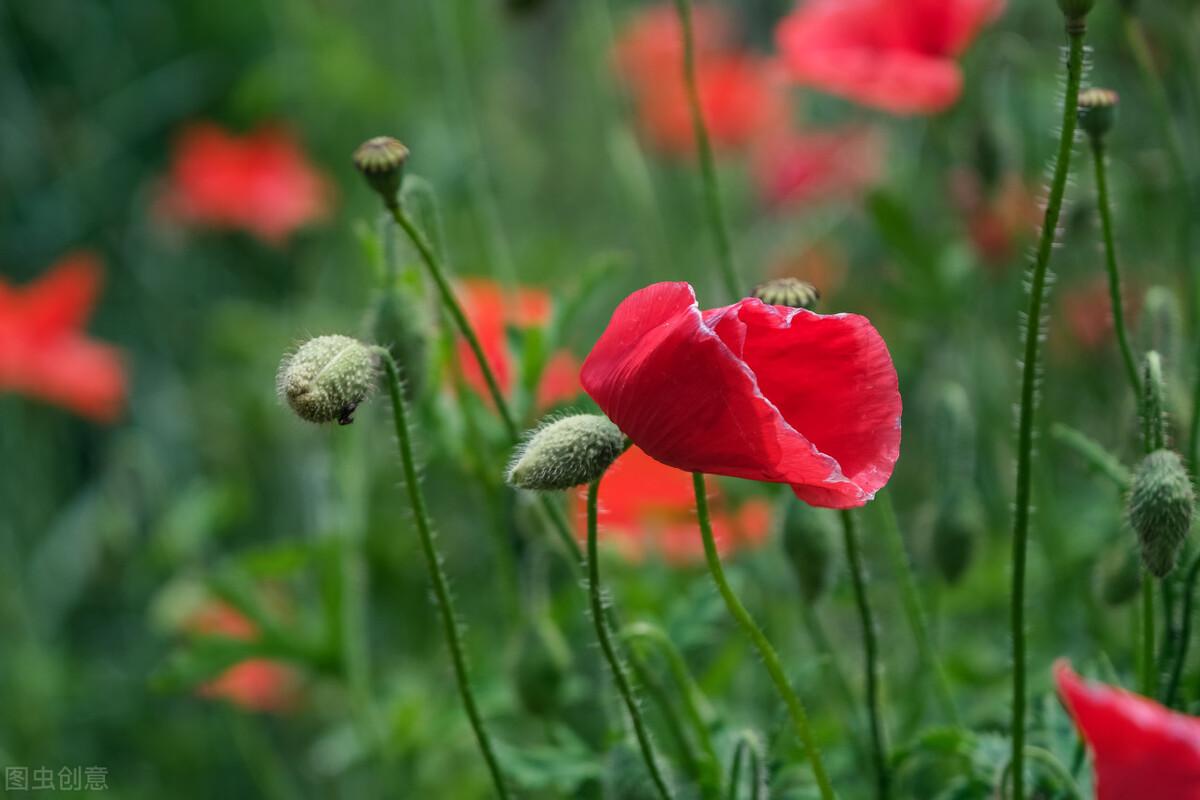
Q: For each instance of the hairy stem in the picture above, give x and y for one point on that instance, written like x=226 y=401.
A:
x=1028 y=401
x=770 y=658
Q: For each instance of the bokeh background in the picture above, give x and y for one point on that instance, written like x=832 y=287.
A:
x=116 y=533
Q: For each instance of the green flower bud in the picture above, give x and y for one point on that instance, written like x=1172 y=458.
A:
x=542 y=668
x=1075 y=10
x=958 y=527
x=327 y=378
x=808 y=542
x=1154 y=413
x=1097 y=111
x=381 y=161
x=566 y=452
x=1160 y=509
x=791 y=292
x=1118 y=575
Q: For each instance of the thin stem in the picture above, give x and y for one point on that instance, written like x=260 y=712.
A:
x=1028 y=401
x=1051 y=763
x=1110 y=258
x=672 y=722
x=758 y=638
x=1146 y=656
x=1185 y=632
x=610 y=652
x=858 y=576
x=747 y=743
x=913 y=607
x=437 y=575
x=708 y=168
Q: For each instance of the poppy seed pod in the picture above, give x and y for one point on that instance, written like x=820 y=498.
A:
x=381 y=160
x=791 y=292
x=327 y=378
x=1160 y=509
x=808 y=536
x=566 y=452
x=1097 y=111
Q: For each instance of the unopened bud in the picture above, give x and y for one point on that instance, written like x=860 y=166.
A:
x=327 y=378
x=1160 y=509
x=1154 y=412
x=566 y=452
x=381 y=161
x=1097 y=111
x=791 y=292
x=958 y=527
x=1075 y=10
x=808 y=535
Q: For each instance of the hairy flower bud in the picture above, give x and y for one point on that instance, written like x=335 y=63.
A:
x=327 y=378
x=1154 y=412
x=808 y=536
x=1160 y=509
x=566 y=452
x=1097 y=111
x=958 y=527
x=791 y=292
x=381 y=161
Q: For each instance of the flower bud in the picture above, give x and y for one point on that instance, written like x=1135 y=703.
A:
x=808 y=535
x=1154 y=412
x=566 y=452
x=958 y=527
x=1160 y=509
x=1097 y=111
x=1075 y=10
x=1118 y=577
x=327 y=378
x=381 y=161
x=791 y=292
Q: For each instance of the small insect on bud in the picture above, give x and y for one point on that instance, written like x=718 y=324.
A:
x=1160 y=509
x=381 y=161
x=566 y=452
x=808 y=535
x=791 y=292
x=1097 y=111
x=327 y=378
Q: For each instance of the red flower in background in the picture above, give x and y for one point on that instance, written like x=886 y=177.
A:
x=491 y=310
x=741 y=97
x=43 y=350
x=751 y=391
x=998 y=221
x=895 y=55
x=262 y=183
x=256 y=684
x=1140 y=749
x=647 y=507
x=802 y=167
x=1087 y=309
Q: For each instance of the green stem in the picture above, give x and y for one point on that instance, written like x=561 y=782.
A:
x=610 y=652
x=708 y=168
x=858 y=576
x=758 y=638
x=1110 y=257
x=747 y=743
x=672 y=722
x=1185 y=632
x=1146 y=656
x=1051 y=763
x=1028 y=402
x=913 y=607
x=436 y=574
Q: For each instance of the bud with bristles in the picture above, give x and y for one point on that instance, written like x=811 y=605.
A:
x=327 y=378
x=1097 y=111
x=566 y=452
x=808 y=535
x=791 y=292
x=1160 y=509
x=1154 y=413
x=381 y=161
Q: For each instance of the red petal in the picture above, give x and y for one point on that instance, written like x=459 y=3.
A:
x=1140 y=748
x=62 y=299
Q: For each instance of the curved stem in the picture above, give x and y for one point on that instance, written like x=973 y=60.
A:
x=758 y=638
x=858 y=576
x=1110 y=259
x=437 y=576
x=1028 y=401
x=747 y=743
x=672 y=722
x=610 y=653
x=708 y=168
x=1185 y=631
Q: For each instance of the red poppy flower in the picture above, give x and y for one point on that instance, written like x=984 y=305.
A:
x=1087 y=310
x=804 y=167
x=752 y=391
x=261 y=183
x=896 y=55
x=255 y=684
x=650 y=46
x=1139 y=748
x=491 y=310
x=648 y=508
x=43 y=350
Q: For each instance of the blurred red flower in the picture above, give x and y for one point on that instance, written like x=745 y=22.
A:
x=1087 y=309
x=491 y=310
x=43 y=349
x=648 y=508
x=1139 y=748
x=751 y=391
x=741 y=97
x=895 y=55
x=799 y=168
x=999 y=221
x=256 y=684
x=262 y=183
